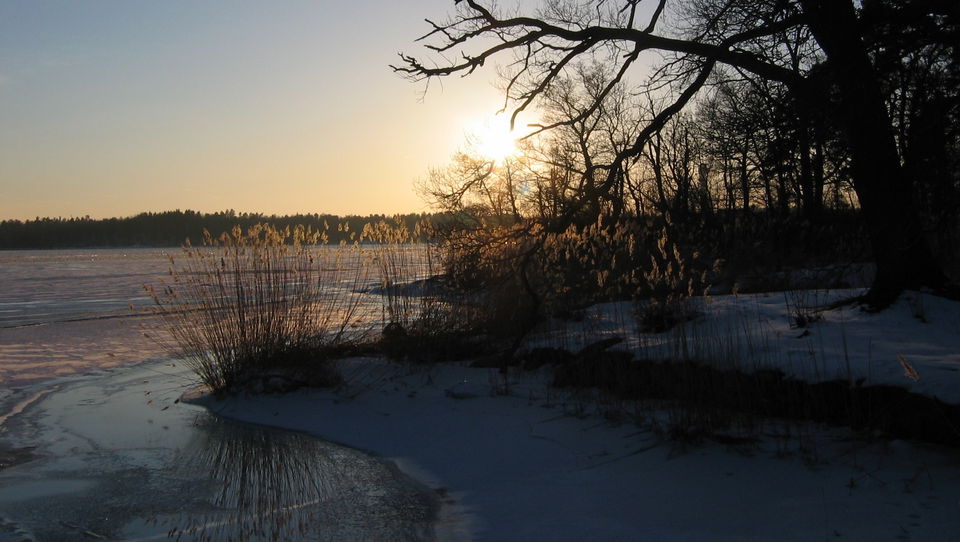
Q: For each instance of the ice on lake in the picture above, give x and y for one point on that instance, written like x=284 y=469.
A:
x=119 y=456
x=116 y=454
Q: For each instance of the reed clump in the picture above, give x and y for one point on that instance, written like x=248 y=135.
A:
x=260 y=309
x=425 y=317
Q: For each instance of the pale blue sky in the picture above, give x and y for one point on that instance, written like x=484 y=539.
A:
x=112 y=107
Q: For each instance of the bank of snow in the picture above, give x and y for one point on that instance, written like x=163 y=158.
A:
x=537 y=465
x=756 y=331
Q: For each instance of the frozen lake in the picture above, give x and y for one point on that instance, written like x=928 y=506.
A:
x=116 y=454
x=44 y=286
x=65 y=312
x=119 y=456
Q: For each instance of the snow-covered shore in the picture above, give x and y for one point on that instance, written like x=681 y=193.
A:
x=755 y=331
x=538 y=465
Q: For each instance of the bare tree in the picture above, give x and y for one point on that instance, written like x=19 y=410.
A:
x=552 y=178
x=537 y=49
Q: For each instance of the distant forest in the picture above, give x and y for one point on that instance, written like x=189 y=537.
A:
x=172 y=228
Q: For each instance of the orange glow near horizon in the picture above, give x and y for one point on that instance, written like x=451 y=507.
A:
x=110 y=110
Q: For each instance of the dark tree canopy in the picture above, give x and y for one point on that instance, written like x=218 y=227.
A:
x=882 y=73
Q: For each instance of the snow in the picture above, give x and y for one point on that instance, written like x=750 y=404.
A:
x=539 y=464
x=758 y=331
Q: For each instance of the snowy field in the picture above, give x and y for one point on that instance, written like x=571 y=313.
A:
x=538 y=464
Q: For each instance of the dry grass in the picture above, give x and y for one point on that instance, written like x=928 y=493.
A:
x=425 y=319
x=260 y=305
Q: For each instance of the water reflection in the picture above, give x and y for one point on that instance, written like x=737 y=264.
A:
x=119 y=457
x=272 y=485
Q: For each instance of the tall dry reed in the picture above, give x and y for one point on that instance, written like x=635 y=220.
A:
x=261 y=303
x=424 y=317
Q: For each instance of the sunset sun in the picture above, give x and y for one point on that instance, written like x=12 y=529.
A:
x=492 y=139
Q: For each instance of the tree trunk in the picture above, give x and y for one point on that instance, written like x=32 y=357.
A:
x=818 y=175
x=744 y=179
x=902 y=254
x=806 y=167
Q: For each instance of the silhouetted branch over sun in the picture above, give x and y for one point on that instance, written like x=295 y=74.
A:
x=830 y=56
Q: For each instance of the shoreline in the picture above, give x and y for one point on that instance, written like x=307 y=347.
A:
x=539 y=465
x=120 y=455
x=547 y=463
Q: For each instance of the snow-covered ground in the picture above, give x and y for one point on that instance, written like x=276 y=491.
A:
x=759 y=331
x=538 y=465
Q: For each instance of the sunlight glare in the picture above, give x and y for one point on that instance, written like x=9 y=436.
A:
x=492 y=139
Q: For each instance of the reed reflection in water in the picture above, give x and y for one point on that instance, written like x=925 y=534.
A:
x=267 y=484
x=119 y=457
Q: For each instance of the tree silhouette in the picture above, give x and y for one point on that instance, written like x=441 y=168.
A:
x=752 y=38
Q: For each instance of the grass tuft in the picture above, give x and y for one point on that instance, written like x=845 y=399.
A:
x=260 y=309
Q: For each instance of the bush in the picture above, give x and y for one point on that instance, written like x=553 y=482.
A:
x=264 y=307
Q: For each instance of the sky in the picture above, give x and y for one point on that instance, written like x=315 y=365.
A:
x=114 y=107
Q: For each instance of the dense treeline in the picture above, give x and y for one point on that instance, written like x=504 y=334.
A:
x=172 y=228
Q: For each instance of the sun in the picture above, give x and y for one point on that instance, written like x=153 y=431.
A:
x=491 y=138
